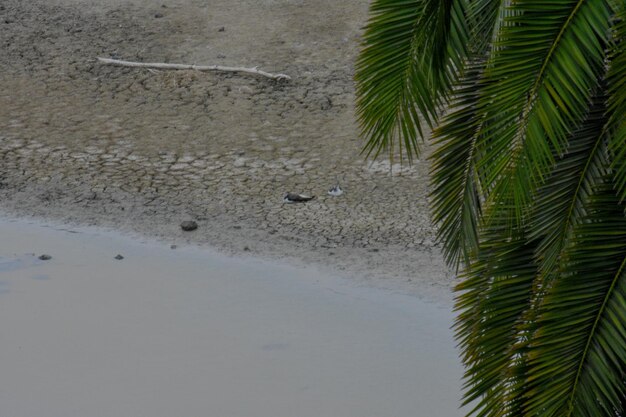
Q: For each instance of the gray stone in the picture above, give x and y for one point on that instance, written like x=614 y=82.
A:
x=189 y=225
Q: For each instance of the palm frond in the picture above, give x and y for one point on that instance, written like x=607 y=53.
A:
x=455 y=197
x=529 y=185
x=578 y=355
x=617 y=101
x=411 y=53
x=560 y=202
x=491 y=309
x=484 y=17
x=546 y=63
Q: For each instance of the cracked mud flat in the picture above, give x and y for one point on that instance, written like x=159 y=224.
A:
x=140 y=151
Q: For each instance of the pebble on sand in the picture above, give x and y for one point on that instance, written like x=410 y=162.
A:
x=45 y=257
x=119 y=257
x=189 y=225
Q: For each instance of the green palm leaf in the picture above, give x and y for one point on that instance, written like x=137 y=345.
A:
x=455 y=196
x=411 y=50
x=492 y=307
x=528 y=185
x=617 y=102
x=578 y=354
x=484 y=18
x=560 y=202
x=547 y=61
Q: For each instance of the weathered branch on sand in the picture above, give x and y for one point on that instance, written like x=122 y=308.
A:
x=161 y=65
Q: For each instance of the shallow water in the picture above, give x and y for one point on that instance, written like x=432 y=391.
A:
x=191 y=332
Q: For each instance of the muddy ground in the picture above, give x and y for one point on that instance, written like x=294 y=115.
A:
x=141 y=150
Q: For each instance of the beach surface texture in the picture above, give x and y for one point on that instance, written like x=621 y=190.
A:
x=141 y=150
x=227 y=299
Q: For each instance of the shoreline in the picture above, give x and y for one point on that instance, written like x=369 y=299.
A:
x=141 y=151
x=361 y=267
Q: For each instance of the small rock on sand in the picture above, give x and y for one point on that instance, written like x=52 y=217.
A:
x=189 y=225
x=119 y=257
x=45 y=257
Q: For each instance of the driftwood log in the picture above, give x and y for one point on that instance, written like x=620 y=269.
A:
x=161 y=65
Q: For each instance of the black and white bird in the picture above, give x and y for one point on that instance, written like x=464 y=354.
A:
x=335 y=191
x=296 y=198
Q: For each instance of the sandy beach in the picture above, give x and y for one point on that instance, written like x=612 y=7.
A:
x=140 y=151
x=166 y=332
x=340 y=306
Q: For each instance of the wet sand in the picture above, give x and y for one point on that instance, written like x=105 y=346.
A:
x=192 y=332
